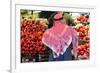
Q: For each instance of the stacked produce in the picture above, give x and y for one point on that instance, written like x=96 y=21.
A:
x=31 y=35
x=84 y=38
x=84 y=19
x=32 y=29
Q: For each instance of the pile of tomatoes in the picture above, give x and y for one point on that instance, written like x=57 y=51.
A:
x=84 y=42
x=84 y=51
x=31 y=35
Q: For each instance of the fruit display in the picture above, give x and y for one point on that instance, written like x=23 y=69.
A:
x=31 y=35
x=34 y=24
x=83 y=18
x=84 y=39
x=83 y=51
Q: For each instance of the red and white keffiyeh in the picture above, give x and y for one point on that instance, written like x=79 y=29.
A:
x=59 y=37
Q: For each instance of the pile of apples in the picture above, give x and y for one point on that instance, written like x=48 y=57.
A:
x=31 y=35
x=84 y=41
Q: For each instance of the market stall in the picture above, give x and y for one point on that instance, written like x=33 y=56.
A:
x=35 y=23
